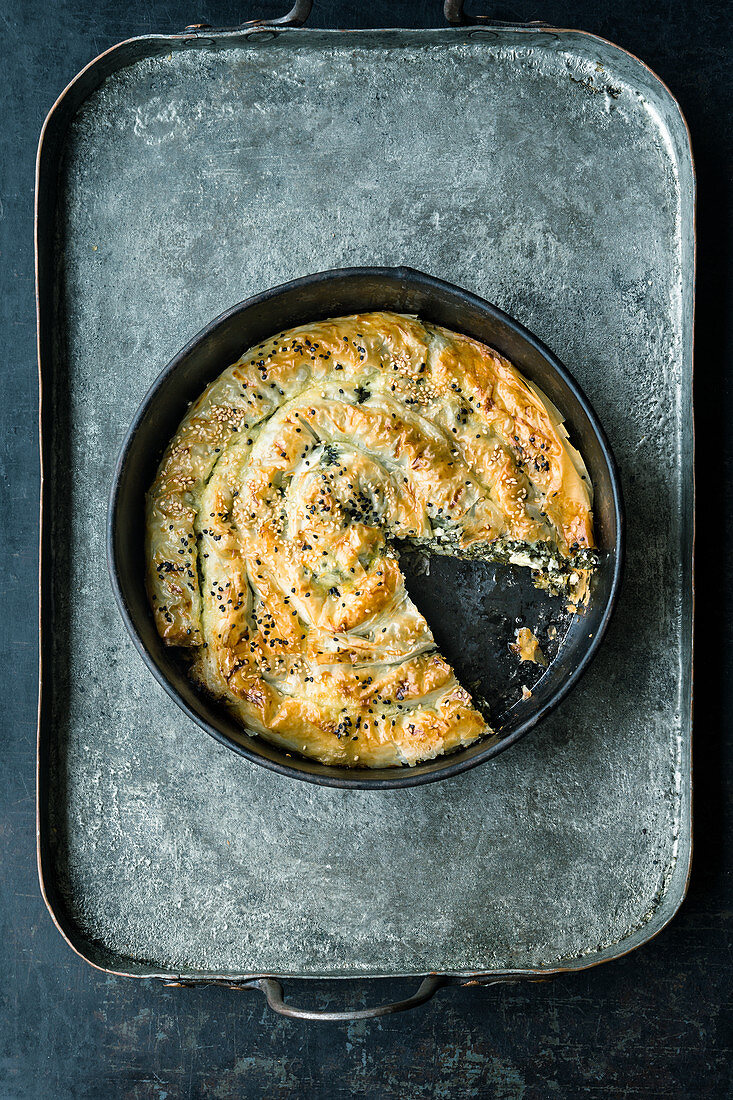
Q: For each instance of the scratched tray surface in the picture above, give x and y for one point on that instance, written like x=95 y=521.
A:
x=547 y=173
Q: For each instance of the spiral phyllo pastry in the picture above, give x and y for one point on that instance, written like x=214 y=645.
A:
x=281 y=505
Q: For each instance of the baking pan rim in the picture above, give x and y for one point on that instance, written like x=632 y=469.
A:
x=293 y=767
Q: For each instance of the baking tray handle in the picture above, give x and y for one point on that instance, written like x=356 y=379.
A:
x=273 y=991
x=454 y=13
x=296 y=17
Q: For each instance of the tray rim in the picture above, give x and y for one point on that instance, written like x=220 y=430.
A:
x=54 y=127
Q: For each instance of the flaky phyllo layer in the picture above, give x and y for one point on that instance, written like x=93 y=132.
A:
x=273 y=522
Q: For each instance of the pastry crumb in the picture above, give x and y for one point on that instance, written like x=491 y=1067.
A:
x=527 y=648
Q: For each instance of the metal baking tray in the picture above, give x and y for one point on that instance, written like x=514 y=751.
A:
x=543 y=169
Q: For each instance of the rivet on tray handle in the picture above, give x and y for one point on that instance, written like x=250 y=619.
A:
x=273 y=991
x=454 y=13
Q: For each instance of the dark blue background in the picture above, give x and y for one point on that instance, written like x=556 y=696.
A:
x=658 y=1023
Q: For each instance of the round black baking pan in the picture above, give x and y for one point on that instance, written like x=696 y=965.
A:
x=473 y=608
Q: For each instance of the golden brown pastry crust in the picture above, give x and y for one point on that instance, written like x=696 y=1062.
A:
x=272 y=519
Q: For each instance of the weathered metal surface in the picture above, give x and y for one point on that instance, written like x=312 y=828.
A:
x=549 y=173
